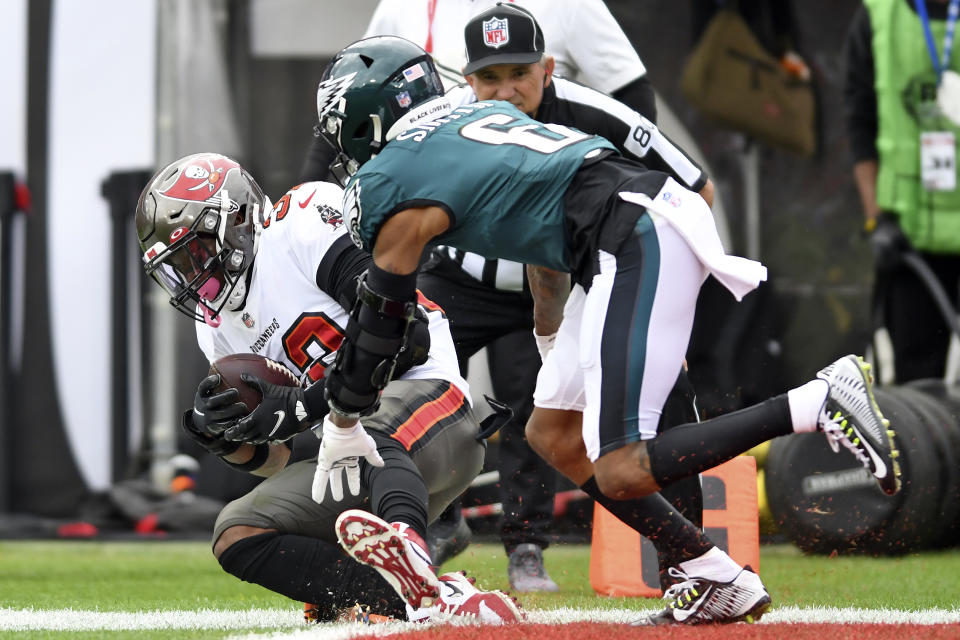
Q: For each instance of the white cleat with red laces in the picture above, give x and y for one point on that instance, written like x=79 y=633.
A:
x=395 y=550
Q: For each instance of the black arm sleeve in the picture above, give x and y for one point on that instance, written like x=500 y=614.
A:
x=859 y=94
x=639 y=96
x=337 y=277
x=316 y=164
x=338 y=271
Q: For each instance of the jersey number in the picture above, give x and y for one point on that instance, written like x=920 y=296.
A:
x=315 y=330
x=498 y=128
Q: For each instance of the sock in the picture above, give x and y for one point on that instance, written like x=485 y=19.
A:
x=806 y=403
x=680 y=409
x=310 y=570
x=713 y=565
x=675 y=537
x=397 y=490
x=692 y=448
x=686 y=494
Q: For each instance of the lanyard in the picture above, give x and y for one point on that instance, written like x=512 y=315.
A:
x=952 y=12
x=432 y=11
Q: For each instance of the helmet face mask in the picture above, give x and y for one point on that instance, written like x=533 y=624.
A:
x=367 y=89
x=198 y=223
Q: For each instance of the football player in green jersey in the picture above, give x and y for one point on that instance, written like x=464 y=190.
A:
x=487 y=178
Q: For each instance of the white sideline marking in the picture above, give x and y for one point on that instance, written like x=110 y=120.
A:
x=288 y=622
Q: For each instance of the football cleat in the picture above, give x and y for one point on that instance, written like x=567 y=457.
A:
x=311 y=613
x=850 y=417
x=703 y=601
x=358 y=613
x=460 y=599
x=395 y=550
x=526 y=571
x=448 y=536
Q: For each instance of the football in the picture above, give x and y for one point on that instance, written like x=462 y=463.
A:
x=230 y=367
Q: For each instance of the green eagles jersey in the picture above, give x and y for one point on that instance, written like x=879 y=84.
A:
x=499 y=174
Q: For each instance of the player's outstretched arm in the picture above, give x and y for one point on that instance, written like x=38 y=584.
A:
x=386 y=303
x=367 y=357
x=550 y=290
x=404 y=236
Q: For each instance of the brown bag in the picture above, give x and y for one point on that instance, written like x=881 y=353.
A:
x=732 y=79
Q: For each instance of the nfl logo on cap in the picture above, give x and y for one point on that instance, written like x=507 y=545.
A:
x=496 y=33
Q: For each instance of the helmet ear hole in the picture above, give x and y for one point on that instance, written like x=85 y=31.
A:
x=362 y=132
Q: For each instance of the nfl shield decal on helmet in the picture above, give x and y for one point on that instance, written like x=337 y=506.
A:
x=403 y=99
x=496 y=33
x=202 y=179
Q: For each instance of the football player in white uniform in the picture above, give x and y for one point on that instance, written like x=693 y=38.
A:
x=280 y=281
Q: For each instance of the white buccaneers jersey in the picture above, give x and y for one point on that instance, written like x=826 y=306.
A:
x=582 y=36
x=286 y=316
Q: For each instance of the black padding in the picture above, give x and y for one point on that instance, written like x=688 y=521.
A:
x=367 y=358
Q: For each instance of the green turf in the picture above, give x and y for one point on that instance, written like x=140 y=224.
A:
x=135 y=576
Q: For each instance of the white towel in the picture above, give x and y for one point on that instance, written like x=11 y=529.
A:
x=689 y=214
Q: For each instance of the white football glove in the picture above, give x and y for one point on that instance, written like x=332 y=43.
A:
x=340 y=451
x=544 y=344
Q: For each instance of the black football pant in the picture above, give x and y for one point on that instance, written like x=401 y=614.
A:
x=918 y=330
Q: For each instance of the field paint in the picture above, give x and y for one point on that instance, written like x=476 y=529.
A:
x=288 y=622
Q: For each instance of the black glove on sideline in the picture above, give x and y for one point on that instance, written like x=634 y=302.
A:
x=888 y=243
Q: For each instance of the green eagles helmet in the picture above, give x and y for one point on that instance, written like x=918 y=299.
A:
x=366 y=92
x=198 y=222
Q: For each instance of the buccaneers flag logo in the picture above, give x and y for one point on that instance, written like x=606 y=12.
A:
x=201 y=179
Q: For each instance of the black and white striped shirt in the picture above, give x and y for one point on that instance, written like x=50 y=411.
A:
x=574 y=105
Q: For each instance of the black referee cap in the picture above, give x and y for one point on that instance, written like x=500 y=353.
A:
x=505 y=34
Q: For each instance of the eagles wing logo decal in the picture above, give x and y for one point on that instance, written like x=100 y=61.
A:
x=330 y=92
x=201 y=179
x=352 y=212
x=330 y=216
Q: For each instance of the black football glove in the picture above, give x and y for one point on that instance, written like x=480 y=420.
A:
x=888 y=243
x=215 y=444
x=282 y=414
x=215 y=412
